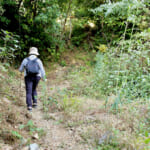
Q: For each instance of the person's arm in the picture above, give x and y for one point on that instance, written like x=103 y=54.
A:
x=22 y=66
x=42 y=69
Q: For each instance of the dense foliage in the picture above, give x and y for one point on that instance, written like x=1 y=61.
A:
x=128 y=15
x=123 y=69
x=35 y=22
x=48 y=25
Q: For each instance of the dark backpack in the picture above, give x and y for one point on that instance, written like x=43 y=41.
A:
x=32 y=67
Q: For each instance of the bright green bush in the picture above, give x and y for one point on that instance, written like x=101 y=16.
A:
x=9 y=44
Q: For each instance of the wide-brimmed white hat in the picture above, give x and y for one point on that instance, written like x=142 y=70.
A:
x=33 y=51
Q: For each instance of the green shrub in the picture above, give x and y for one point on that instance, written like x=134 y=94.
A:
x=9 y=45
x=70 y=103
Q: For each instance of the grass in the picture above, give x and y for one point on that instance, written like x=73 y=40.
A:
x=70 y=104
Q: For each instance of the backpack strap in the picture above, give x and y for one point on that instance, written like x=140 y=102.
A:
x=27 y=60
x=36 y=59
x=33 y=59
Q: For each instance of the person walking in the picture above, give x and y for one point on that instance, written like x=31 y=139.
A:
x=33 y=72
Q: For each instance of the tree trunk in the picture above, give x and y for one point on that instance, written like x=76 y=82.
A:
x=104 y=36
x=70 y=32
x=64 y=25
x=19 y=4
x=35 y=9
x=70 y=23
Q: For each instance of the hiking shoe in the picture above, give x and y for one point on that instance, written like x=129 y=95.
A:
x=34 y=105
x=29 y=109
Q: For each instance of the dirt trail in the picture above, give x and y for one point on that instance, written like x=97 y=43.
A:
x=57 y=137
x=55 y=134
x=76 y=132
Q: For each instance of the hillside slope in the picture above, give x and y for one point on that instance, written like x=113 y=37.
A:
x=67 y=118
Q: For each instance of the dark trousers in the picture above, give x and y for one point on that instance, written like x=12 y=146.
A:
x=31 y=83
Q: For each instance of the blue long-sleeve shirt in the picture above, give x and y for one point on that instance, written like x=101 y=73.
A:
x=24 y=63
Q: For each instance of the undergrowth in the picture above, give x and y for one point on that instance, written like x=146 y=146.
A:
x=124 y=70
